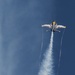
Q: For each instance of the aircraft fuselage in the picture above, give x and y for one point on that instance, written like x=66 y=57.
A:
x=53 y=28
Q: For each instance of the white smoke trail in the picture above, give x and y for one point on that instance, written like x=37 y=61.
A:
x=47 y=64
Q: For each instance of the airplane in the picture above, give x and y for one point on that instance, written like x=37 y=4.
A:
x=54 y=26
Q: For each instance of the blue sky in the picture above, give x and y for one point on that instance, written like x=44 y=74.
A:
x=20 y=35
x=65 y=15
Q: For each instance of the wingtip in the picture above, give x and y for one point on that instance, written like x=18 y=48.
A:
x=64 y=26
x=42 y=26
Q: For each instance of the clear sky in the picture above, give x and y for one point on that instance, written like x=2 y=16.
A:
x=21 y=35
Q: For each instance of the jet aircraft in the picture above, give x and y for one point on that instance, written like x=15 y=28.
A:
x=54 y=26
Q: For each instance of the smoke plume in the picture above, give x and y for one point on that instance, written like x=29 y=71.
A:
x=47 y=64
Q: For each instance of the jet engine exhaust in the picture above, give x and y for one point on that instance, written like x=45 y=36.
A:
x=47 y=63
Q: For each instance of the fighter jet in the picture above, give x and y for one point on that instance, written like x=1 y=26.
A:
x=54 y=26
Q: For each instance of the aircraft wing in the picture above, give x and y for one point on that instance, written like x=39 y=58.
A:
x=46 y=25
x=60 y=26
